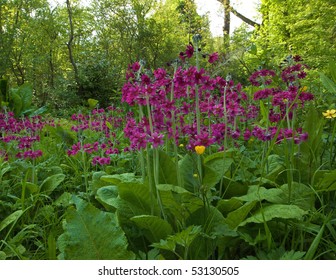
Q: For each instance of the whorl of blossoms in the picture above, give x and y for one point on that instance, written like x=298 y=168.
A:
x=225 y=109
x=262 y=77
x=19 y=135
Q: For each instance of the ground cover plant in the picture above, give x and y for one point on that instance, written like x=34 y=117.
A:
x=191 y=165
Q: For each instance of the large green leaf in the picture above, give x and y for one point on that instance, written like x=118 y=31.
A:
x=300 y=195
x=108 y=197
x=97 y=182
x=275 y=166
x=139 y=198
x=183 y=238
x=187 y=169
x=274 y=211
x=12 y=218
x=219 y=163
x=167 y=169
x=328 y=83
x=226 y=206
x=154 y=227
x=257 y=193
x=120 y=178
x=92 y=103
x=237 y=216
x=215 y=167
x=26 y=93
x=209 y=218
x=91 y=234
x=16 y=103
x=328 y=182
x=210 y=177
x=179 y=202
x=51 y=183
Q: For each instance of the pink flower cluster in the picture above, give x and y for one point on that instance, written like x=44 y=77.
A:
x=101 y=160
x=104 y=124
x=100 y=120
x=18 y=136
x=30 y=154
x=90 y=148
x=172 y=103
x=225 y=110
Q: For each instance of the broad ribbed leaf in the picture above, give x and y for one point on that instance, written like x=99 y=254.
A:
x=154 y=227
x=91 y=234
x=121 y=178
x=179 y=202
x=328 y=183
x=51 y=183
x=210 y=177
x=235 y=217
x=187 y=169
x=300 y=195
x=257 y=193
x=209 y=219
x=108 y=197
x=10 y=219
x=226 y=206
x=167 y=169
x=183 y=238
x=219 y=163
x=138 y=197
x=274 y=211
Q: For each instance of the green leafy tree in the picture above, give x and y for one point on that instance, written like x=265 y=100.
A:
x=300 y=27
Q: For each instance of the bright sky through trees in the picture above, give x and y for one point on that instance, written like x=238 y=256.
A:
x=246 y=7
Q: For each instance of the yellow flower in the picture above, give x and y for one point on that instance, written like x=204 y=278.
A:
x=330 y=114
x=181 y=145
x=199 y=150
x=195 y=175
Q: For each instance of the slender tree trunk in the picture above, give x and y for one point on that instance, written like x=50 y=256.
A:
x=227 y=23
x=228 y=9
x=51 y=69
x=70 y=44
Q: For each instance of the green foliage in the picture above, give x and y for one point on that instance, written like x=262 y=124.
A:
x=154 y=228
x=274 y=211
x=91 y=234
x=254 y=200
x=298 y=27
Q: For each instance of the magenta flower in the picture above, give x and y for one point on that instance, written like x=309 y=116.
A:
x=189 y=51
x=262 y=77
x=156 y=139
x=213 y=57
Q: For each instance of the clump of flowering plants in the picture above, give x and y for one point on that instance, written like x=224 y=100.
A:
x=19 y=137
x=187 y=105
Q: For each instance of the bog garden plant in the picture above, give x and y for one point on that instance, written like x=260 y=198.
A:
x=191 y=165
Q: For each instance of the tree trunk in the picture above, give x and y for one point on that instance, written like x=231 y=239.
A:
x=70 y=45
x=227 y=23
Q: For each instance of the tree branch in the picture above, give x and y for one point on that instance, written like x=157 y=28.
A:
x=237 y=14
x=243 y=18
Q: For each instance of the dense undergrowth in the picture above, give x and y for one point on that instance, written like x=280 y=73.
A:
x=191 y=166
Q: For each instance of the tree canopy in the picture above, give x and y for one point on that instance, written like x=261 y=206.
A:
x=86 y=49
